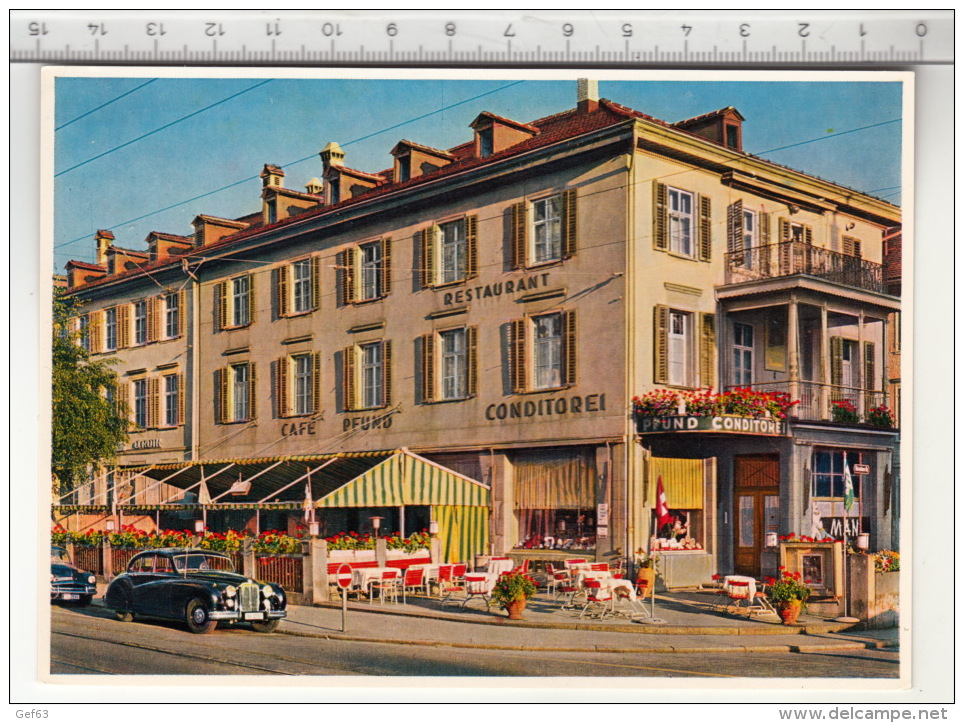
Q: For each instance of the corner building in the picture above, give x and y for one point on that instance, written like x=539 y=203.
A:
x=490 y=311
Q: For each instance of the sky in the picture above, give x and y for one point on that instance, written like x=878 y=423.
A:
x=136 y=154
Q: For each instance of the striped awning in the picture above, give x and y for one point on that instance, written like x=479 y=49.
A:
x=682 y=481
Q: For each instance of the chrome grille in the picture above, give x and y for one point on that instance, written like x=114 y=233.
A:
x=248 y=594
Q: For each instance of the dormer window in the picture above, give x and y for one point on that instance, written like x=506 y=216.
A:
x=404 y=168
x=485 y=142
x=493 y=134
x=732 y=136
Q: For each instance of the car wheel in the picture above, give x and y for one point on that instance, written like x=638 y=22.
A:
x=197 y=617
x=125 y=611
x=84 y=600
x=267 y=626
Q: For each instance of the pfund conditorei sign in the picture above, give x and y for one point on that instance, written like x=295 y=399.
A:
x=725 y=424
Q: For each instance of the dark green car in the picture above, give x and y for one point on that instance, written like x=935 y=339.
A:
x=69 y=583
x=198 y=587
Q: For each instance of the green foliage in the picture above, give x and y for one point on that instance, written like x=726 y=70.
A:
x=844 y=411
x=880 y=416
x=513 y=586
x=886 y=561
x=87 y=427
x=789 y=587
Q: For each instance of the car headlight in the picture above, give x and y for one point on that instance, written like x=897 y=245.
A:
x=229 y=603
x=91 y=579
x=230 y=591
x=267 y=591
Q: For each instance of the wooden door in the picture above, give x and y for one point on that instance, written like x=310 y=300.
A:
x=756 y=508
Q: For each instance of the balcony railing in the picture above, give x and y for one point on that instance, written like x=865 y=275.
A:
x=816 y=399
x=793 y=257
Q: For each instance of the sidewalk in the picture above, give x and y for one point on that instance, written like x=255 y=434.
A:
x=684 y=622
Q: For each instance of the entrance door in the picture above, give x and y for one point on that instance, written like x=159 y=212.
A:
x=756 y=501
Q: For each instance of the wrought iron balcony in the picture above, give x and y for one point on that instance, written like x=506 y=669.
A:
x=816 y=399
x=793 y=257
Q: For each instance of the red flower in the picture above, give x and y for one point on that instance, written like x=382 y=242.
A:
x=771 y=580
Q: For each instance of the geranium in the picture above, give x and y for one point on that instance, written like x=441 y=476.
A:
x=880 y=416
x=789 y=587
x=657 y=403
x=842 y=410
x=886 y=561
x=513 y=586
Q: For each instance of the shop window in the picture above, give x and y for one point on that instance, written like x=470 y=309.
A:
x=827 y=472
x=683 y=532
x=566 y=529
x=683 y=482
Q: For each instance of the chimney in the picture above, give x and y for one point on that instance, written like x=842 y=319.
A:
x=332 y=155
x=272 y=175
x=314 y=187
x=587 y=95
x=104 y=240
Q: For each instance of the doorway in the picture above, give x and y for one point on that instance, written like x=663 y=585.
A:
x=756 y=508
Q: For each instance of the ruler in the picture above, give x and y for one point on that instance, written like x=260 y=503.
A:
x=477 y=38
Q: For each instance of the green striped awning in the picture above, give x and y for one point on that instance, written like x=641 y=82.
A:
x=408 y=479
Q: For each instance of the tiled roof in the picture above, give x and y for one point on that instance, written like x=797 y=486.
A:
x=171 y=237
x=711 y=114
x=505 y=121
x=85 y=265
x=358 y=174
x=104 y=233
x=129 y=252
x=424 y=149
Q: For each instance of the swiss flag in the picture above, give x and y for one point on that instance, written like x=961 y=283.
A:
x=663 y=517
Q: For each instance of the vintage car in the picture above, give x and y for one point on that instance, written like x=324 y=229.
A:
x=199 y=587
x=68 y=582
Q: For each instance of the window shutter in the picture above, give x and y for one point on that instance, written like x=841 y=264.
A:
x=784 y=230
x=153 y=404
x=870 y=366
x=660 y=216
x=122 y=399
x=471 y=247
x=281 y=290
x=251 y=303
x=348 y=378
x=281 y=386
x=517 y=235
x=386 y=267
x=220 y=396
x=851 y=246
x=252 y=391
x=707 y=347
x=706 y=228
x=181 y=312
x=569 y=223
x=316 y=382
x=428 y=367
x=517 y=355
x=472 y=339
x=221 y=304
x=427 y=247
x=315 y=283
x=346 y=260
x=569 y=347
x=152 y=318
x=836 y=360
x=123 y=326
x=661 y=345
x=764 y=219
x=96 y=331
x=808 y=235
x=734 y=231
x=180 y=399
x=387 y=372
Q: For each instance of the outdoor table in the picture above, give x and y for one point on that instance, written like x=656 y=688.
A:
x=499 y=566
x=479 y=584
x=751 y=591
x=583 y=574
x=431 y=573
x=361 y=576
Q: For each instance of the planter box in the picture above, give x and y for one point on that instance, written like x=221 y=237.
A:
x=885 y=608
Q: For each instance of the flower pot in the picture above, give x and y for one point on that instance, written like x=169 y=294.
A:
x=788 y=611
x=515 y=608
x=646 y=579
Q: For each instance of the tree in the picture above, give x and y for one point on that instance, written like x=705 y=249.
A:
x=88 y=425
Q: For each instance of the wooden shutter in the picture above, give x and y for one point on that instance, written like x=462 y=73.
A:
x=252 y=391
x=221 y=305
x=707 y=348
x=427 y=248
x=387 y=372
x=386 y=288
x=518 y=242
x=735 y=232
x=316 y=382
x=870 y=366
x=281 y=386
x=180 y=399
x=346 y=263
x=661 y=344
x=472 y=343
x=122 y=400
x=783 y=252
x=836 y=360
x=471 y=247
x=153 y=314
x=808 y=235
x=783 y=226
x=428 y=367
x=660 y=216
x=95 y=329
x=705 y=226
x=315 y=282
x=764 y=220
x=568 y=347
x=517 y=355
x=348 y=378
x=220 y=396
x=569 y=223
x=123 y=326
x=181 y=312
x=153 y=403
x=281 y=290
x=851 y=246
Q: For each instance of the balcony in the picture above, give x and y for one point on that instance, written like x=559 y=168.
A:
x=815 y=398
x=794 y=257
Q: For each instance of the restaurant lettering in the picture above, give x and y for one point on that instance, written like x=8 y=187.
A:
x=512 y=286
x=146 y=444
x=855 y=525
x=554 y=406
x=297 y=429
x=735 y=425
x=382 y=421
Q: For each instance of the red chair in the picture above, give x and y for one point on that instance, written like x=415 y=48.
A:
x=597 y=598
x=451 y=583
x=523 y=568
x=413 y=580
x=387 y=586
x=599 y=567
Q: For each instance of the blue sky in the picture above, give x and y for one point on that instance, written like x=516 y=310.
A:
x=287 y=121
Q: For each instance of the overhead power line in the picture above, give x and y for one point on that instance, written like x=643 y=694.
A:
x=104 y=105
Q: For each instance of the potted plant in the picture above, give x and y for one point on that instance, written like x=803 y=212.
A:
x=511 y=592
x=789 y=595
x=844 y=411
x=880 y=416
x=645 y=569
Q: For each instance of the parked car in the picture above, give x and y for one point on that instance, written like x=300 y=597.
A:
x=67 y=582
x=198 y=587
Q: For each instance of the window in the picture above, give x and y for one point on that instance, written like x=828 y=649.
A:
x=371 y=270
x=173 y=400
x=449 y=361
x=302 y=391
x=485 y=142
x=110 y=329
x=732 y=136
x=404 y=168
x=684 y=531
x=140 y=322
x=234 y=302
x=546 y=345
x=677 y=351
x=795 y=232
x=552 y=235
x=301 y=285
x=236 y=399
x=83 y=327
x=240 y=392
x=297 y=381
x=828 y=479
x=750 y=236
x=297 y=289
x=454 y=364
x=366 y=375
x=140 y=403
x=681 y=222
x=172 y=316
x=366 y=271
x=742 y=354
x=240 y=301
x=853 y=247
x=679 y=348
x=449 y=252
x=683 y=225
x=547 y=229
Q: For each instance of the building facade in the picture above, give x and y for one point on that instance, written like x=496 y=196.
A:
x=493 y=309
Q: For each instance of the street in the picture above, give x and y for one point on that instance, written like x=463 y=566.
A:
x=88 y=641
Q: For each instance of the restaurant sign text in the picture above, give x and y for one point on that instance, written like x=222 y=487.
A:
x=725 y=424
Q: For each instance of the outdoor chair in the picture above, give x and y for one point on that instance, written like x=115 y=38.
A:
x=523 y=568
x=451 y=587
x=599 y=600
x=477 y=586
x=387 y=586
x=413 y=581
x=737 y=594
x=625 y=606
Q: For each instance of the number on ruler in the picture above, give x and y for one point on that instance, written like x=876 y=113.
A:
x=97 y=28
x=745 y=30
x=272 y=29
x=329 y=29
x=450 y=29
x=509 y=32
x=391 y=30
x=212 y=29
x=37 y=28
x=921 y=30
x=687 y=29
x=862 y=31
x=567 y=29
x=627 y=30
x=154 y=29
x=803 y=32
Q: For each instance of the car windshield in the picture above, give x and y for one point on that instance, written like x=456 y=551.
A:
x=194 y=562
x=59 y=554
